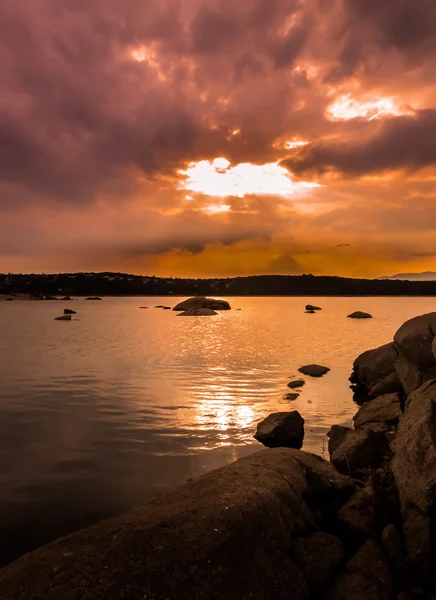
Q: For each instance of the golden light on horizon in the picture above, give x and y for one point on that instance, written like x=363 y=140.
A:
x=219 y=179
x=346 y=107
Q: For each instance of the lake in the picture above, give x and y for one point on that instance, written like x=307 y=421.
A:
x=100 y=414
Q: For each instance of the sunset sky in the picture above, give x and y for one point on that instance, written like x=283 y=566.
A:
x=218 y=137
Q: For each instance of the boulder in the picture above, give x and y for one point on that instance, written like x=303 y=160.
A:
x=198 y=312
x=389 y=385
x=311 y=307
x=374 y=366
x=202 y=302
x=359 y=315
x=314 y=370
x=281 y=429
x=63 y=318
x=319 y=557
x=414 y=342
x=68 y=311
x=296 y=383
x=384 y=409
x=356 y=519
x=351 y=450
x=366 y=576
x=230 y=534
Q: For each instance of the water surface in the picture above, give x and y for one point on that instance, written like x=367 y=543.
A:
x=100 y=414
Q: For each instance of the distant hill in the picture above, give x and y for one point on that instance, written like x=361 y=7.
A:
x=426 y=276
x=121 y=284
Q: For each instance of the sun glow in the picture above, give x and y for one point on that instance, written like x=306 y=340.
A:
x=346 y=107
x=219 y=179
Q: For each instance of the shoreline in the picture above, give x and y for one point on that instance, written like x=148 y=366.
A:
x=280 y=523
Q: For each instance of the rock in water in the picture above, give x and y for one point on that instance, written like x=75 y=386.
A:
x=63 y=318
x=93 y=298
x=310 y=312
x=67 y=311
x=314 y=370
x=310 y=307
x=198 y=312
x=359 y=315
x=374 y=366
x=143 y=307
x=298 y=383
x=202 y=302
x=291 y=397
x=282 y=429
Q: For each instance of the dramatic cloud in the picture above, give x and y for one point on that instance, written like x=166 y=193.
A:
x=214 y=136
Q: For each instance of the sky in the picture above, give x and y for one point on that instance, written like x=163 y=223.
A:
x=218 y=137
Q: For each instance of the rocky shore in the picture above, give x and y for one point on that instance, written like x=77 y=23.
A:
x=281 y=523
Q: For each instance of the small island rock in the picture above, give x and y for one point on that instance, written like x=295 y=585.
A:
x=359 y=315
x=281 y=429
x=93 y=298
x=310 y=307
x=314 y=370
x=291 y=397
x=202 y=302
x=67 y=311
x=298 y=383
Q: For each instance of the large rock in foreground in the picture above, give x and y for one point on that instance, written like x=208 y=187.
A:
x=281 y=429
x=351 y=450
x=384 y=409
x=233 y=534
x=374 y=367
x=202 y=302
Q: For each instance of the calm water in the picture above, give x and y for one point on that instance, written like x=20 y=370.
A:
x=102 y=413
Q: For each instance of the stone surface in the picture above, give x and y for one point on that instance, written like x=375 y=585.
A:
x=358 y=449
x=314 y=370
x=228 y=535
x=319 y=557
x=202 y=302
x=281 y=429
x=414 y=342
x=198 y=312
x=374 y=366
x=296 y=383
x=359 y=315
x=384 y=409
x=356 y=518
x=366 y=577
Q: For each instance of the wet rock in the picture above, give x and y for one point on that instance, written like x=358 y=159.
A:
x=384 y=409
x=318 y=556
x=281 y=429
x=359 y=315
x=63 y=318
x=311 y=307
x=292 y=397
x=314 y=370
x=297 y=383
x=198 y=312
x=202 y=302
x=366 y=576
x=356 y=519
x=67 y=311
x=358 y=449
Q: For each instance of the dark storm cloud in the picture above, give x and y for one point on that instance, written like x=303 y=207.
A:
x=402 y=142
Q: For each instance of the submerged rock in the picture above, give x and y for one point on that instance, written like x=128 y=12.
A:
x=63 y=318
x=297 y=383
x=202 y=302
x=281 y=429
x=314 y=370
x=359 y=315
x=198 y=312
x=68 y=311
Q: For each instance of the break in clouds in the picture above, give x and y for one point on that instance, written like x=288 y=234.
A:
x=106 y=106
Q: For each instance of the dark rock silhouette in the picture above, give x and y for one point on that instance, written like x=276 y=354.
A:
x=202 y=302
x=93 y=298
x=314 y=370
x=282 y=429
x=291 y=397
x=296 y=383
x=359 y=315
x=67 y=311
x=310 y=307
